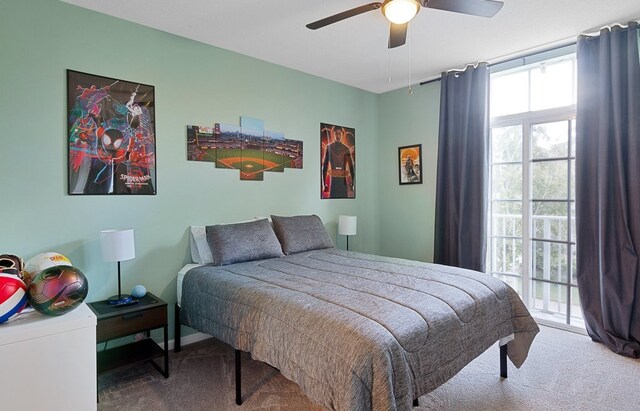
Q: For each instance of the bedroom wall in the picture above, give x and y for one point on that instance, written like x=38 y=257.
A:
x=407 y=212
x=194 y=84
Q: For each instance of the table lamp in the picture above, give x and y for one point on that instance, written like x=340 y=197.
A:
x=347 y=225
x=118 y=245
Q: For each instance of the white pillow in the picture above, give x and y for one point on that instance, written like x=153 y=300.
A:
x=200 y=251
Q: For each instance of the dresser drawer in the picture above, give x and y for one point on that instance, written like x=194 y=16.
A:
x=131 y=323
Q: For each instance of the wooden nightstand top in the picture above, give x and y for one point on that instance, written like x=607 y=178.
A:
x=104 y=310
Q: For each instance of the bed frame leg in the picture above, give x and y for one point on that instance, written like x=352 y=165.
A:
x=177 y=347
x=238 y=379
x=416 y=403
x=503 y=361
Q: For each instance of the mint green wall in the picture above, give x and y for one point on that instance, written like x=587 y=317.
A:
x=407 y=213
x=194 y=84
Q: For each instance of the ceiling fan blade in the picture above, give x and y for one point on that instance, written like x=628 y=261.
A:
x=482 y=8
x=344 y=15
x=397 y=34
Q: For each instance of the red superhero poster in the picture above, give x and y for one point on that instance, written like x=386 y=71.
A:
x=338 y=161
x=111 y=135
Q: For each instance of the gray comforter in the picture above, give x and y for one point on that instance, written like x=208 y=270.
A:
x=357 y=331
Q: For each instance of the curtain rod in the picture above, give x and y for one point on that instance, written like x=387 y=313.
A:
x=513 y=57
x=596 y=31
x=560 y=44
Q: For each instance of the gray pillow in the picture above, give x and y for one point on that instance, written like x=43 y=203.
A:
x=235 y=243
x=301 y=233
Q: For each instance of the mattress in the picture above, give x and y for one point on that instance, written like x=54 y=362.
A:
x=181 y=275
x=357 y=331
x=183 y=271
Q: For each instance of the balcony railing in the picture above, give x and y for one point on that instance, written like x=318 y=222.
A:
x=552 y=254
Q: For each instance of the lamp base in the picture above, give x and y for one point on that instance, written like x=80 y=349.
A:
x=122 y=299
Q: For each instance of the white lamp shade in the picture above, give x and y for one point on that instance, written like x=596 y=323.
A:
x=117 y=245
x=347 y=225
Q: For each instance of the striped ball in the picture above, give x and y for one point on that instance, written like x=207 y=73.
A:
x=13 y=296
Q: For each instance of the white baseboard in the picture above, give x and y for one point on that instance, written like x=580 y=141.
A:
x=560 y=326
x=189 y=339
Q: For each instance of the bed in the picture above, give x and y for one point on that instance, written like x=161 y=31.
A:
x=354 y=331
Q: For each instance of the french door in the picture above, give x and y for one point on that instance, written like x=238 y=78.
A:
x=532 y=212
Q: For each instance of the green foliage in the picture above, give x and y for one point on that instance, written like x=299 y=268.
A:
x=549 y=166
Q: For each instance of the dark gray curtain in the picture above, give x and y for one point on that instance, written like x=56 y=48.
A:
x=463 y=158
x=608 y=187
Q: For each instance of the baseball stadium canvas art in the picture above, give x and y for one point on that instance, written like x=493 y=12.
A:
x=337 y=161
x=111 y=135
x=248 y=148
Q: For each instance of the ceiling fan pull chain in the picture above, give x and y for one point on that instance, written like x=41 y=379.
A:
x=389 y=65
x=410 y=90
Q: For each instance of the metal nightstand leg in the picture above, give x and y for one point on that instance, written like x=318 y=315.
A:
x=166 y=351
x=164 y=372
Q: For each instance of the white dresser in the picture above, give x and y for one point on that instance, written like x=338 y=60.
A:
x=49 y=363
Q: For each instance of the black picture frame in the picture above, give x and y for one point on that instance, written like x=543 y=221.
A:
x=111 y=136
x=410 y=164
x=337 y=162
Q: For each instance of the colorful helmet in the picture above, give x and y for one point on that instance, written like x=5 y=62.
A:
x=11 y=264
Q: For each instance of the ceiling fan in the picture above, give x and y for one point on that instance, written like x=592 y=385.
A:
x=400 y=12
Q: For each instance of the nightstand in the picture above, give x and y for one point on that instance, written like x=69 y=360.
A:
x=119 y=321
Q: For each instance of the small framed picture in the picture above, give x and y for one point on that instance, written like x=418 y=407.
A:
x=410 y=164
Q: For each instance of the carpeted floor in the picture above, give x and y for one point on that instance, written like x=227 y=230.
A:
x=564 y=371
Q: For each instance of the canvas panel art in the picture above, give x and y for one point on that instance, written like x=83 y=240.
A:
x=253 y=164
x=337 y=162
x=201 y=144
x=410 y=164
x=111 y=135
x=248 y=148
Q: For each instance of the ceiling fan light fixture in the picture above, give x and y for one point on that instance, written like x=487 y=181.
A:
x=400 y=11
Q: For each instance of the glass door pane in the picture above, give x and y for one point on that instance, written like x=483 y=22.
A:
x=550 y=140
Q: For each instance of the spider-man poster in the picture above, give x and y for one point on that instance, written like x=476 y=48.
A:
x=111 y=135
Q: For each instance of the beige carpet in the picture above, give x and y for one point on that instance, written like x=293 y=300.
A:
x=564 y=371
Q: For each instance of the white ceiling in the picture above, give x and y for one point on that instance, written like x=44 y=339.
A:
x=354 y=51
